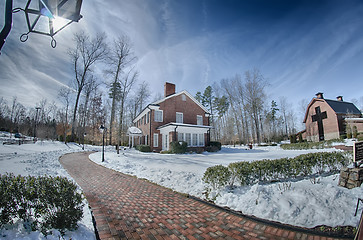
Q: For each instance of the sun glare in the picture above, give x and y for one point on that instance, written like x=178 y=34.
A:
x=59 y=22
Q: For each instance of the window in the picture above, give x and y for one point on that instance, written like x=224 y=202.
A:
x=148 y=117
x=156 y=140
x=184 y=98
x=146 y=140
x=188 y=138
x=195 y=139
x=144 y=117
x=199 y=120
x=179 y=117
x=201 y=139
x=158 y=117
x=180 y=137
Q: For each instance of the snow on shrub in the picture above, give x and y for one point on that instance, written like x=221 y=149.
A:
x=43 y=203
x=310 y=145
x=247 y=173
x=217 y=176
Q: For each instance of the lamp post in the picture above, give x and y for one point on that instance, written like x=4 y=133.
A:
x=53 y=10
x=36 y=120
x=103 y=130
x=84 y=136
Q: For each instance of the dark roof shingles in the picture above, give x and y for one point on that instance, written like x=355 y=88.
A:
x=343 y=107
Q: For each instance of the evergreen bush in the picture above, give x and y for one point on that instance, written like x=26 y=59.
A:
x=355 y=132
x=143 y=148
x=310 y=145
x=178 y=147
x=217 y=176
x=216 y=144
x=293 y=138
x=246 y=173
x=42 y=202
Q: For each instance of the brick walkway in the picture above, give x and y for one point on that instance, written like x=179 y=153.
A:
x=125 y=207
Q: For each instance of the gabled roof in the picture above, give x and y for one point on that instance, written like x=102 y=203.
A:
x=180 y=93
x=156 y=104
x=339 y=107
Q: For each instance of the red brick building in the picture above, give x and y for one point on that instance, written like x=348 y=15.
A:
x=176 y=117
x=327 y=119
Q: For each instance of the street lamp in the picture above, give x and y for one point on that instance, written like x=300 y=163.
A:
x=35 y=124
x=103 y=130
x=84 y=136
x=38 y=10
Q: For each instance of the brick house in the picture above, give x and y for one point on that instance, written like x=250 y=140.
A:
x=327 y=119
x=176 y=117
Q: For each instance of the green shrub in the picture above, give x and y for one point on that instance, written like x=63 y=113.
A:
x=217 y=176
x=310 y=145
x=44 y=202
x=216 y=144
x=178 y=147
x=143 y=148
x=212 y=149
x=293 y=138
x=355 y=132
x=301 y=137
x=246 y=173
x=241 y=172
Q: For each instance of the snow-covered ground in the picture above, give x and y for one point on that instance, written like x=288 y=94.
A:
x=306 y=203
x=296 y=202
x=39 y=159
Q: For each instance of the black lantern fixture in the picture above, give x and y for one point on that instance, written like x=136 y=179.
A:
x=103 y=130
x=57 y=14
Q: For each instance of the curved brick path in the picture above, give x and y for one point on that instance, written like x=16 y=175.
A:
x=125 y=207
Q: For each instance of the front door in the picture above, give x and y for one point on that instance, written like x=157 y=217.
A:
x=165 y=146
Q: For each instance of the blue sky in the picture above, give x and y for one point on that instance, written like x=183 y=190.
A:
x=301 y=47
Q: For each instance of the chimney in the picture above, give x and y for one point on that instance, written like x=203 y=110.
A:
x=340 y=98
x=319 y=95
x=169 y=89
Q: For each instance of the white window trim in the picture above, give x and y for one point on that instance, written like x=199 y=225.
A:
x=183 y=136
x=182 y=117
x=200 y=116
x=195 y=141
x=162 y=115
x=201 y=137
x=156 y=137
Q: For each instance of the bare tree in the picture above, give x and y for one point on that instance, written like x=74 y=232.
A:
x=142 y=94
x=120 y=57
x=126 y=85
x=64 y=95
x=255 y=95
x=87 y=52
x=303 y=105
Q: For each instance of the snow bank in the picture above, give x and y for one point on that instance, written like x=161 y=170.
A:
x=41 y=158
x=306 y=203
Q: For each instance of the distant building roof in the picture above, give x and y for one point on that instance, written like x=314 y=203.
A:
x=134 y=131
x=343 y=107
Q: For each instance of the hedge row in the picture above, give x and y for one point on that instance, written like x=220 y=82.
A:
x=247 y=173
x=43 y=203
x=310 y=145
x=143 y=148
